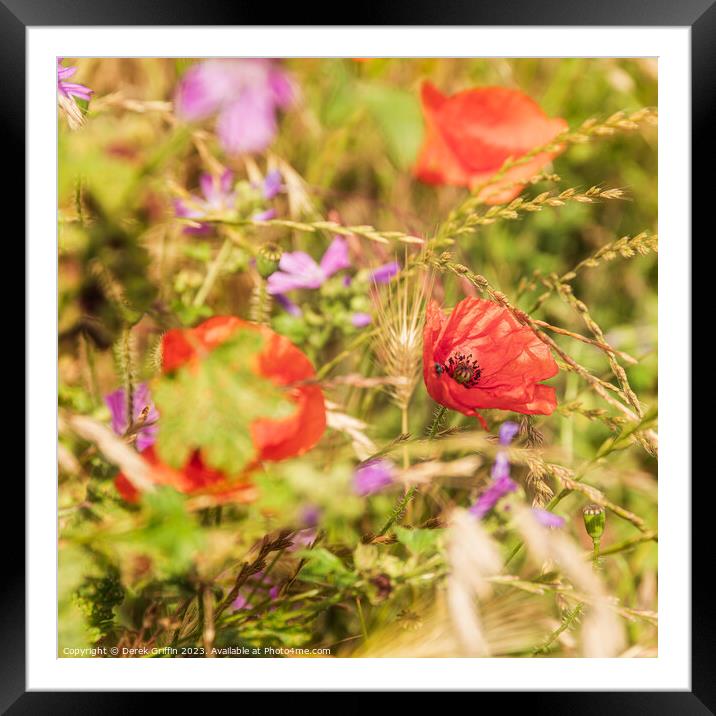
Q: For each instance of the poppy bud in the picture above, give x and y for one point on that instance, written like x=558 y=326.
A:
x=595 y=517
x=267 y=260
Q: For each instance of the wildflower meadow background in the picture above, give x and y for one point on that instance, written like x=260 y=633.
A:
x=357 y=357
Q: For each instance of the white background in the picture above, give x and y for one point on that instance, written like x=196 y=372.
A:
x=671 y=670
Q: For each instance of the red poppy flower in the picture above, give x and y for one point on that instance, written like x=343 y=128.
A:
x=195 y=478
x=280 y=362
x=471 y=134
x=481 y=357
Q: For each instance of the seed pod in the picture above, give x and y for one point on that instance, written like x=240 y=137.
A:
x=595 y=518
x=267 y=259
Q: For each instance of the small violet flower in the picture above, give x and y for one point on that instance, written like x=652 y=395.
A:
x=546 y=518
x=384 y=273
x=372 y=477
x=259 y=581
x=310 y=515
x=361 y=320
x=299 y=270
x=240 y=603
x=67 y=92
x=244 y=94
x=143 y=411
x=272 y=184
x=303 y=539
x=507 y=433
x=502 y=484
x=218 y=196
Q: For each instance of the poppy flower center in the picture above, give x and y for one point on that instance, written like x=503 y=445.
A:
x=463 y=369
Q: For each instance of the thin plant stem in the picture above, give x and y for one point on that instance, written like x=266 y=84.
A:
x=213 y=273
x=361 y=617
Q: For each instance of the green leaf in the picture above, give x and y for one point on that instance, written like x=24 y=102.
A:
x=210 y=406
x=416 y=540
x=324 y=565
x=169 y=533
x=397 y=112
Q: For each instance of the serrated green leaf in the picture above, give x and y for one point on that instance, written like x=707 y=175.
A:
x=416 y=540
x=210 y=406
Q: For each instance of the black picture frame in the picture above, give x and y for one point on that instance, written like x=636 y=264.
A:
x=699 y=15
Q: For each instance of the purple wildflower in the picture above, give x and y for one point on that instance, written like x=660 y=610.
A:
x=299 y=270
x=310 y=515
x=372 y=477
x=244 y=94
x=302 y=539
x=240 y=603
x=68 y=92
x=217 y=196
x=143 y=410
x=272 y=184
x=384 y=273
x=546 y=518
x=70 y=89
x=361 y=320
x=492 y=495
x=502 y=484
x=508 y=430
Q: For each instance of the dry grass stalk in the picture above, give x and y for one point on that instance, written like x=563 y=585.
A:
x=311 y=227
x=602 y=632
x=520 y=206
x=363 y=446
x=398 y=339
x=425 y=472
x=116 y=450
x=472 y=556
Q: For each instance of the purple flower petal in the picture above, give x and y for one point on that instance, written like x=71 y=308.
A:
x=143 y=408
x=265 y=215
x=546 y=518
x=492 y=495
x=287 y=304
x=64 y=73
x=361 y=320
x=272 y=184
x=508 y=430
x=280 y=283
x=203 y=89
x=70 y=89
x=225 y=182
x=384 y=273
x=298 y=270
x=298 y=263
x=185 y=212
x=240 y=603
x=281 y=88
x=372 y=477
x=248 y=125
x=336 y=257
x=310 y=515
x=118 y=410
x=303 y=538
x=501 y=467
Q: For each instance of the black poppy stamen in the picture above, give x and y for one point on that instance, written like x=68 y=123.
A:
x=463 y=369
